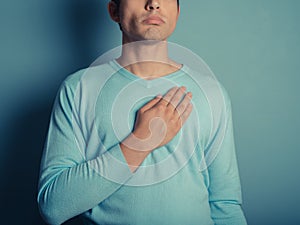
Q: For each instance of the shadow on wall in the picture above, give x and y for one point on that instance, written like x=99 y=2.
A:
x=80 y=23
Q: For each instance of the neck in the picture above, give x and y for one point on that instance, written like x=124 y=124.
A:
x=147 y=59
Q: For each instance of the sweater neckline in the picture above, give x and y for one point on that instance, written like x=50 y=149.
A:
x=148 y=83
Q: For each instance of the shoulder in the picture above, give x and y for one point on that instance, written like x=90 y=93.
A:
x=87 y=73
x=209 y=84
x=225 y=94
x=86 y=77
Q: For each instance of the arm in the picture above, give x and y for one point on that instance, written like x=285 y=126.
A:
x=224 y=183
x=69 y=184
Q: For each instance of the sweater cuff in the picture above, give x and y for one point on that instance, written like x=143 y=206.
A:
x=112 y=165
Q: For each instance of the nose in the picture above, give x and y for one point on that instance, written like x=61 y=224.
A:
x=152 y=5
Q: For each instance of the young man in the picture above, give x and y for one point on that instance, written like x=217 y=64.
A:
x=127 y=138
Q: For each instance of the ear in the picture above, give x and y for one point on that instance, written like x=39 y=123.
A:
x=178 y=12
x=113 y=11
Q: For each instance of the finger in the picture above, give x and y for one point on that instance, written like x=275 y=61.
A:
x=185 y=115
x=151 y=103
x=177 y=97
x=184 y=103
x=168 y=96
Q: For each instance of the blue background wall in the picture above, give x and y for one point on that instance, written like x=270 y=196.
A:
x=252 y=46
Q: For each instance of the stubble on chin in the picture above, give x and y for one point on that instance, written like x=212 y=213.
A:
x=153 y=33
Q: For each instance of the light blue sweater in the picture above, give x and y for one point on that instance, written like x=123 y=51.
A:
x=193 y=180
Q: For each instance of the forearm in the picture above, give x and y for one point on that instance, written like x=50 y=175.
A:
x=133 y=152
x=68 y=192
x=227 y=213
x=225 y=193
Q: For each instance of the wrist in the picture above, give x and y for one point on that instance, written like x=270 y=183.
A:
x=133 y=158
x=138 y=144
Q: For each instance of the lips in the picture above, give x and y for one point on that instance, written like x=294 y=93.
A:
x=153 y=20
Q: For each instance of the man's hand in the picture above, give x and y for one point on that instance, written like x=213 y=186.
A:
x=161 y=118
x=156 y=124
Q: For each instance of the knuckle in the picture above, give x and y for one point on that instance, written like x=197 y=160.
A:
x=177 y=98
x=177 y=113
x=181 y=107
x=185 y=101
x=173 y=120
x=169 y=110
x=142 y=110
x=167 y=97
x=181 y=118
x=161 y=108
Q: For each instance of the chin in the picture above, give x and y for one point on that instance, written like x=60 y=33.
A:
x=153 y=39
x=153 y=34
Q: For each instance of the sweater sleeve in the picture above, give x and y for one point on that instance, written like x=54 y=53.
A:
x=224 y=184
x=69 y=184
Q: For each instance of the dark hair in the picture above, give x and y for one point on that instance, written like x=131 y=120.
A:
x=118 y=2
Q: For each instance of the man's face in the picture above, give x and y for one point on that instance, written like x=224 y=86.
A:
x=148 y=19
